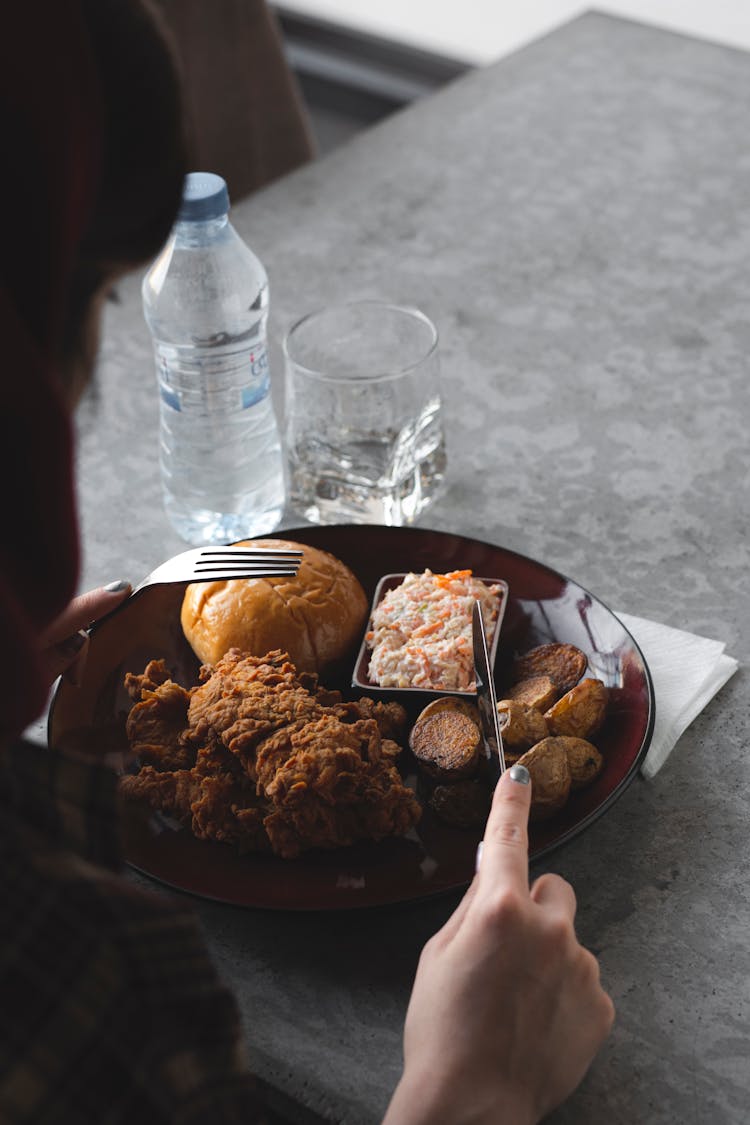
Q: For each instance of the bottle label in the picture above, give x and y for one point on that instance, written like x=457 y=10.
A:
x=251 y=380
x=260 y=383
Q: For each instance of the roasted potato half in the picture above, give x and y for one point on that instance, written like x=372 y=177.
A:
x=563 y=663
x=520 y=725
x=451 y=703
x=581 y=711
x=465 y=804
x=584 y=760
x=547 y=762
x=536 y=691
x=446 y=745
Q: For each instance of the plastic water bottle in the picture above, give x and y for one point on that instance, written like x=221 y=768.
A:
x=205 y=300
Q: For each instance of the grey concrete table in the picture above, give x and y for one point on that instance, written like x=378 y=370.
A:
x=577 y=222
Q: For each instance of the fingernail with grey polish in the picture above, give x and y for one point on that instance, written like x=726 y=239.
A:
x=116 y=587
x=478 y=859
x=519 y=774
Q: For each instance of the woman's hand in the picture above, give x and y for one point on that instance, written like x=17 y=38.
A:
x=65 y=644
x=507 y=1011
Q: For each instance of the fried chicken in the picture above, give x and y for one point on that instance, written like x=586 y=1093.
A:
x=278 y=761
x=390 y=717
x=215 y=806
x=245 y=700
x=156 y=723
x=155 y=673
x=336 y=787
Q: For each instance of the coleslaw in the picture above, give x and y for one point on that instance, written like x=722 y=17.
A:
x=421 y=631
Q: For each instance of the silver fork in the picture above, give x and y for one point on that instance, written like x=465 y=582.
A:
x=216 y=564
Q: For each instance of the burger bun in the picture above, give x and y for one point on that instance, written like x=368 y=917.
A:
x=317 y=616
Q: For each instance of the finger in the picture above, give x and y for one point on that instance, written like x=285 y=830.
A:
x=85 y=609
x=454 y=923
x=555 y=894
x=74 y=673
x=505 y=851
x=64 y=657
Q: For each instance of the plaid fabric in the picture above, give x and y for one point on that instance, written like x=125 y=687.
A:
x=110 y=1010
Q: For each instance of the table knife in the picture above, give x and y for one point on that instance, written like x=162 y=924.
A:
x=486 y=700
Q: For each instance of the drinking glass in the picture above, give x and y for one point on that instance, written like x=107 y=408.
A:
x=362 y=426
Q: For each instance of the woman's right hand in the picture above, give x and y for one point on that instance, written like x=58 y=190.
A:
x=507 y=1010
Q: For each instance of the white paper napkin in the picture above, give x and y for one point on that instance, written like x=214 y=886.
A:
x=687 y=672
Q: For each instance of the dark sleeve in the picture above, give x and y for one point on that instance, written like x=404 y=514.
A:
x=114 y=1010
x=181 y=1024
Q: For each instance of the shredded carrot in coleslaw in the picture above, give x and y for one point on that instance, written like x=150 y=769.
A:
x=421 y=631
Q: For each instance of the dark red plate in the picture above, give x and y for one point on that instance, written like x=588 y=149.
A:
x=543 y=606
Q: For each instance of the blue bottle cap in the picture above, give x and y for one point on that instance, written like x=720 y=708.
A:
x=204 y=196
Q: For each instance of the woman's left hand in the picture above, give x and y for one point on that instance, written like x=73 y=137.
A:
x=65 y=643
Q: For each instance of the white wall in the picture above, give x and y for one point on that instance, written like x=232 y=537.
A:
x=479 y=31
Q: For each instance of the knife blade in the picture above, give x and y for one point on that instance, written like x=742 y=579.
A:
x=486 y=700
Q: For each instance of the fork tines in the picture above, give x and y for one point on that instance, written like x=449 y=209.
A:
x=244 y=570
x=248 y=561
x=249 y=554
